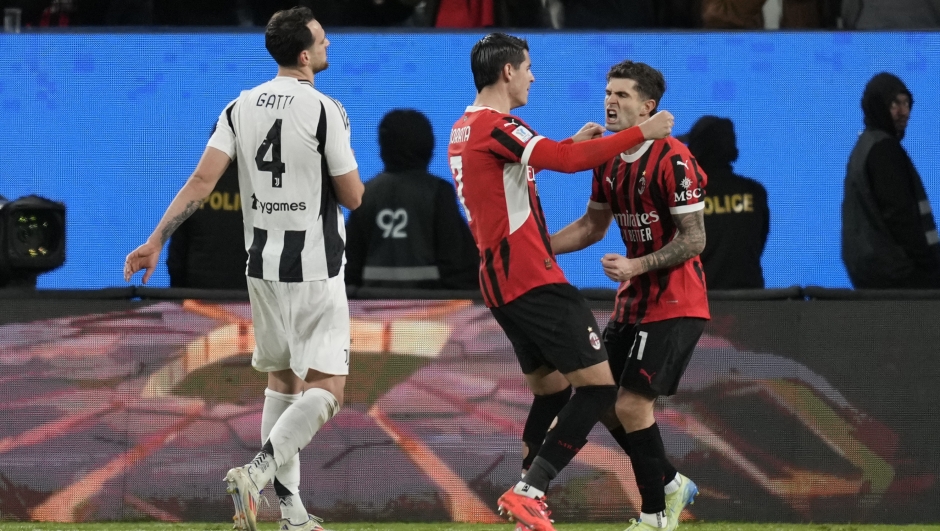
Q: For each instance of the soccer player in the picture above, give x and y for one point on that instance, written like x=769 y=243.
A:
x=656 y=193
x=295 y=167
x=553 y=332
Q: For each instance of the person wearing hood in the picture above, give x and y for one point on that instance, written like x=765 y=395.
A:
x=889 y=235
x=408 y=233
x=737 y=218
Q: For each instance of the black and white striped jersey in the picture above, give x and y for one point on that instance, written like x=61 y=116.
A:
x=288 y=139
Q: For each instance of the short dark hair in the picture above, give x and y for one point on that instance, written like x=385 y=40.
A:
x=406 y=140
x=491 y=53
x=649 y=81
x=287 y=34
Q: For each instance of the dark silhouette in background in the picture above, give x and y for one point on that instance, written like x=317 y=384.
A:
x=737 y=218
x=408 y=233
x=208 y=250
x=889 y=235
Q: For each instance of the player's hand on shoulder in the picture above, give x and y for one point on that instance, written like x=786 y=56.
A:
x=589 y=131
x=658 y=126
x=143 y=257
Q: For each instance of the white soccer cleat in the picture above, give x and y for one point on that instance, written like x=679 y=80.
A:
x=245 y=496
x=312 y=524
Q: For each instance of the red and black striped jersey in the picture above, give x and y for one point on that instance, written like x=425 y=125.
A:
x=489 y=153
x=644 y=190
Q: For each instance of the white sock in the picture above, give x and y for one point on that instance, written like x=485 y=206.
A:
x=300 y=422
x=288 y=474
x=655 y=520
x=527 y=490
x=673 y=485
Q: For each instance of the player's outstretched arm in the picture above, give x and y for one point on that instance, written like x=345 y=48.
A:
x=583 y=232
x=188 y=200
x=570 y=157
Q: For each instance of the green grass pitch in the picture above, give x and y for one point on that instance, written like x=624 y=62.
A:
x=270 y=526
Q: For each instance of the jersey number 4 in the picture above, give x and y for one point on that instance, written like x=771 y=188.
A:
x=272 y=142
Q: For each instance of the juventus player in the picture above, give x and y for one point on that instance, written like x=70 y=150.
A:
x=553 y=332
x=656 y=193
x=295 y=167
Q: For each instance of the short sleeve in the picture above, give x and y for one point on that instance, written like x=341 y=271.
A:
x=223 y=134
x=338 y=150
x=598 y=199
x=513 y=140
x=684 y=182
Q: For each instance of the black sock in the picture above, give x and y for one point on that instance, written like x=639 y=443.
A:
x=540 y=474
x=268 y=448
x=648 y=469
x=281 y=490
x=564 y=441
x=620 y=435
x=543 y=411
x=669 y=471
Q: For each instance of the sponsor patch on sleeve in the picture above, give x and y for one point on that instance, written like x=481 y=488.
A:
x=522 y=134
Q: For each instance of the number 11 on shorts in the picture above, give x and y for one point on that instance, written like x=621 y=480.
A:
x=642 y=335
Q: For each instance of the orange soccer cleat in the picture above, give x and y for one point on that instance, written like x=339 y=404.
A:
x=529 y=513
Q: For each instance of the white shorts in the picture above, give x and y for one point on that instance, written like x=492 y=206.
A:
x=300 y=325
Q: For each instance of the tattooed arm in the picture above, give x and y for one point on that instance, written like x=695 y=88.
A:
x=688 y=242
x=190 y=197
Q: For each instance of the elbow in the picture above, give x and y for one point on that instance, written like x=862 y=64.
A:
x=352 y=203
x=699 y=246
x=596 y=235
x=202 y=183
x=353 y=199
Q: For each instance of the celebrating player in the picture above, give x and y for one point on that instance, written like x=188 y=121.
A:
x=655 y=191
x=295 y=167
x=552 y=330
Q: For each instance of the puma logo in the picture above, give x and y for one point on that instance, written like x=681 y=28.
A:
x=649 y=377
x=684 y=164
x=610 y=182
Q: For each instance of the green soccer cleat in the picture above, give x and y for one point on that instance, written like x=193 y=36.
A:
x=677 y=501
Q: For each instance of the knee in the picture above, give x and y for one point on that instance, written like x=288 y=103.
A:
x=627 y=408
x=609 y=418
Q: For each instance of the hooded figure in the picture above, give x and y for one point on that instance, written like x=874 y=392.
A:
x=408 y=232
x=889 y=236
x=737 y=219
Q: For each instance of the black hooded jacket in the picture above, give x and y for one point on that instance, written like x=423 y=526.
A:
x=889 y=236
x=737 y=218
x=408 y=232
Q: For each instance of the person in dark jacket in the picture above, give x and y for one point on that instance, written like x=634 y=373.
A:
x=208 y=250
x=737 y=218
x=889 y=235
x=408 y=233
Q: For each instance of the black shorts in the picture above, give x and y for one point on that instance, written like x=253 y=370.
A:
x=552 y=326
x=649 y=358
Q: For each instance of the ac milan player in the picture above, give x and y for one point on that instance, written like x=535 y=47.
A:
x=552 y=330
x=656 y=193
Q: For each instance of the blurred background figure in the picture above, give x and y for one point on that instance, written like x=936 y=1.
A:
x=891 y=14
x=408 y=233
x=889 y=235
x=208 y=250
x=737 y=218
x=609 y=14
x=769 y=14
